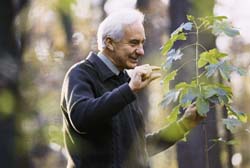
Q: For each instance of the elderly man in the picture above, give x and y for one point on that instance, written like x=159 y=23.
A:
x=103 y=124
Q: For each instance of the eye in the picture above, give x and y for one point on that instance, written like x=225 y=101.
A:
x=134 y=42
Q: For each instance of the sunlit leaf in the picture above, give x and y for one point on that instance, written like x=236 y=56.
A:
x=170 y=97
x=65 y=5
x=181 y=85
x=224 y=68
x=212 y=57
x=7 y=102
x=175 y=55
x=188 y=26
x=168 y=78
x=172 y=55
x=211 y=90
x=221 y=140
x=239 y=71
x=238 y=114
x=208 y=21
x=173 y=115
x=167 y=46
x=212 y=69
x=188 y=95
x=176 y=35
x=190 y=18
x=232 y=142
x=224 y=27
x=232 y=124
x=202 y=106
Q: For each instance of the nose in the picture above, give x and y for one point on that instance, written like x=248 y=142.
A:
x=140 y=51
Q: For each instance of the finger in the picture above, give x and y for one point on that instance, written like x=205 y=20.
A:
x=155 y=76
x=155 y=68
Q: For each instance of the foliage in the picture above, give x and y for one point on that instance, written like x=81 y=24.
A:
x=208 y=63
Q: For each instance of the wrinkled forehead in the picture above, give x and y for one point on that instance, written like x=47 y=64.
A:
x=134 y=30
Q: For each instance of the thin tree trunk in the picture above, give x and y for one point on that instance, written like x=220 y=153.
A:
x=192 y=154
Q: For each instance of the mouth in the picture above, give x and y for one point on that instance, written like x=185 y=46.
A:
x=134 y=59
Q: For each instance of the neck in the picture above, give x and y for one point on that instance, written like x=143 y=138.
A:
x=110 y=56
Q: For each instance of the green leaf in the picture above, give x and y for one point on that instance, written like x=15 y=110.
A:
x=173 y=115
x=212 y=57
x=221 y=140
x=224 y=27
x=183 y=85
x=224 y=68
x=172 y=55
x=168 y=78
x=188 y=95
x=202 y=106
x=208 y=21
x=239 y=71
x=238 y=114
x=65 y=5
x=171 y=96
x=232 y=124
x=188 y=26
x=211 y=90
x=217 y=93
x=212 y=69
x=176 y=35
x=190 y=18
x=167 y=46
x=232 y=142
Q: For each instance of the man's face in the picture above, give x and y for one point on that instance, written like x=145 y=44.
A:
x=129 y=49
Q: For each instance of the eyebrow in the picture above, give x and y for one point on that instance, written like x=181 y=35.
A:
x=136 y=41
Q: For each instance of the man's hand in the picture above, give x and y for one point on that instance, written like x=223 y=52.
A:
x=191 y=118
x=142 y=75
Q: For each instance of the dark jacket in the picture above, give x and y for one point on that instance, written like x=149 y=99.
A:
x=103 y=125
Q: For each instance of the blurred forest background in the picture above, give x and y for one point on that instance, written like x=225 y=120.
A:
x=41 y=39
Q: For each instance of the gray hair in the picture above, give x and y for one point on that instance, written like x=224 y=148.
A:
x=112 y=26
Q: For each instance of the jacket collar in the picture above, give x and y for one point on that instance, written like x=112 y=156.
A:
x=104 y=71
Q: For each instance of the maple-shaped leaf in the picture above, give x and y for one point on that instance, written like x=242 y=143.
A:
x=216 y=89
x=168 y=78
x=202 y=106
x=188 y=95
x=208 y=21
x=224 y=27
x=169 y=44
x=232 y=124
x=212 y=57
x=172 y=55
x=184 y=26
x=224 y=68
x=170 y=97
x=238 y=114
x=173 y=115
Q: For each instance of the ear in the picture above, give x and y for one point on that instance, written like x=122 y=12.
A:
x=109 y=43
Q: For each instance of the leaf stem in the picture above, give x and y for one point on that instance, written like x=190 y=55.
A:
x=197 y=54
x=184 y=64
x=206 y=145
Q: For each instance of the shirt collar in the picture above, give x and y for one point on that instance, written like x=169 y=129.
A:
x=103 y=71
x=108 y=63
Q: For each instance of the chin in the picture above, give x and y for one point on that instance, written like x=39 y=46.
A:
x=132 y=66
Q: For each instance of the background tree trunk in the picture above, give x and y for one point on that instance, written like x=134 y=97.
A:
x=12 y=152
